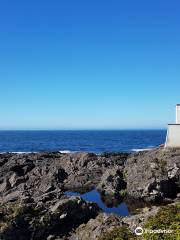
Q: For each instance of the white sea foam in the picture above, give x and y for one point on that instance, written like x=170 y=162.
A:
x=141 y=149
x=23 y=152
x=18 y=152
x=65 y=151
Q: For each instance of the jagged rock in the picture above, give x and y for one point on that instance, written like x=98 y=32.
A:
x=16 y=180
x=112 y=182
x=96 y=227
x=74 y=208
x=40 y=173
x=37 y=182
x=104 y=223
x=5 y=185
x=12 y=196
x=153 y=175
x=138 y=220
x=30 y=221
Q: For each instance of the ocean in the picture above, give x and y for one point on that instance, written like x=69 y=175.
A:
x=74 y=141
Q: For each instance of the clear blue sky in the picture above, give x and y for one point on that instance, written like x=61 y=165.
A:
x=89 y=64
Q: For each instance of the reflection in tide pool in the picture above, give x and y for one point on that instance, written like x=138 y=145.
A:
x=94 y=196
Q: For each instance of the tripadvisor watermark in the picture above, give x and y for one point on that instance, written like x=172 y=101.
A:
x=139 y=231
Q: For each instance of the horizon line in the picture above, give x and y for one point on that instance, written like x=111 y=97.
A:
x=98 y=129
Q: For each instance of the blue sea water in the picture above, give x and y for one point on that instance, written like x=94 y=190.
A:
x=94 y=196
x=90 y=141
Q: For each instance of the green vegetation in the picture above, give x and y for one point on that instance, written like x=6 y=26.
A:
x=11 y=212
x=122 y=193
x=125 y=174
x=8 y=213
x=167 y=218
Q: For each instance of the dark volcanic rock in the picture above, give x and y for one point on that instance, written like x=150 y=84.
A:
x=34 y=185
x=38 y=221
x=96 y=227
x=112 y=182
x=105 y=223
x=36 y=174
x=86 y=169
x=33 y=204
x=153 y=175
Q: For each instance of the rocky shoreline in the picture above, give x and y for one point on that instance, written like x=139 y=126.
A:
x=32 y=186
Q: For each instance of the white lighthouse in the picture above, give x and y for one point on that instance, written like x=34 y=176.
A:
x=173 y=132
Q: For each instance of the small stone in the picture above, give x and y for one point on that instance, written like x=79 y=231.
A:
x=63 y=216
x=51 y=237
x=5 y=186
x=178 y=195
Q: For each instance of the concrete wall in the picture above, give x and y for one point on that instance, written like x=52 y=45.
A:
x=178 y=113
x=173 y=136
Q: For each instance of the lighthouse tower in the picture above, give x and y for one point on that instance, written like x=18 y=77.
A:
x=173 y=132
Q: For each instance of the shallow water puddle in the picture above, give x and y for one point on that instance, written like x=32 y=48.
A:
x=94 y=196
